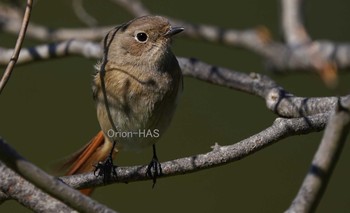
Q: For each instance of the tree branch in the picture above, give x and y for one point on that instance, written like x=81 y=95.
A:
x=48 y=51
x=47 y=183
x=134 y=7
x=308 y=114
x=322 y=57
x=293 y=23
x=220 y=155
x=6 y=76
x=15 y=187
x=10 y=22
x=325 y=159
x=297 y=38
x=82 y=14
x=277 y=99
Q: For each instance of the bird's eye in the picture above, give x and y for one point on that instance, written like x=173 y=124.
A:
x=141 y=37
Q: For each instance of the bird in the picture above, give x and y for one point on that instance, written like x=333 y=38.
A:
x=136 y=88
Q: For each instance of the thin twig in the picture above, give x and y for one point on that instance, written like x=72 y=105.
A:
x=82 y=14
x=325 y=159
x=14 y=57
x=293 y=23
x=134 y=7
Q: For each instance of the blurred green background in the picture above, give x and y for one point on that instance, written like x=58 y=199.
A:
x=47 y=112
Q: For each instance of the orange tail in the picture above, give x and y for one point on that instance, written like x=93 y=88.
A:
x=84 y=160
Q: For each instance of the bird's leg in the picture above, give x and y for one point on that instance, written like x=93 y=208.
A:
x=106 y=168
x=154 y=168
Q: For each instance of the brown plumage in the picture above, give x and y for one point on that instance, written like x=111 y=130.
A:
x=142 y=81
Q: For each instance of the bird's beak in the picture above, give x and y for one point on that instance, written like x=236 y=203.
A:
x=173 y=31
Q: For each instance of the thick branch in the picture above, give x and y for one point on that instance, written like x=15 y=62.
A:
x=277 y=99
x=220 y=155
x=47 y=183
x=325 y=159
x=15 y=187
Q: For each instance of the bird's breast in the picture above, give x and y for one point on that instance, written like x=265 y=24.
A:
x=141 y=105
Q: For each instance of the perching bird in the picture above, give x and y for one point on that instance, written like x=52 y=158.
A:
x=136 y=90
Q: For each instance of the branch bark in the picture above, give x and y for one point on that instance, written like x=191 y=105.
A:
x=220 y=155
x=325 y=159
x=60 y=49
x=293 y=23
x=134 y=7
x=277 y=99
x=300 y=53
x=45 y=182
x=17 y=188
x=5 y=77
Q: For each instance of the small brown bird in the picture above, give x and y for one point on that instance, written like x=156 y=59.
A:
x=136 y=89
